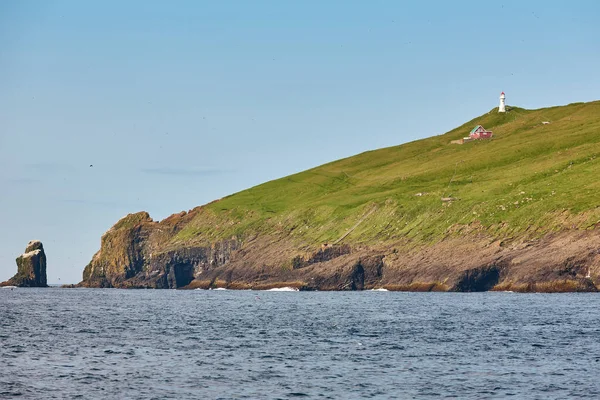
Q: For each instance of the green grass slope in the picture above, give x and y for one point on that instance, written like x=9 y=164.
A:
x=530 y=179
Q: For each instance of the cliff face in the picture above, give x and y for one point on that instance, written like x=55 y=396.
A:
x=516 y=212
x=136 y=253
x=31 y=267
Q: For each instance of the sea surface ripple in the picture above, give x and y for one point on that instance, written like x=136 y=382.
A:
x=168 y=344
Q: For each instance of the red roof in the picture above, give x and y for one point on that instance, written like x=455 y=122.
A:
x=501 y=93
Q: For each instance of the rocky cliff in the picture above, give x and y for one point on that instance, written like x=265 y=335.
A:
x=518 y=212
x=136 y=253
x=31 y=267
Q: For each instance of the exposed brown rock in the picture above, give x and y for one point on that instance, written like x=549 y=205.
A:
x=139 y=252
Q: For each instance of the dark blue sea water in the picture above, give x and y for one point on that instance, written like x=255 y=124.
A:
x=167 y=344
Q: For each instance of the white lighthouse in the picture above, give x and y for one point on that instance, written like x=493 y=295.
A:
x=502 y=107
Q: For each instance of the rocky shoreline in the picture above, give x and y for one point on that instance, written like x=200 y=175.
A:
x=137 y=253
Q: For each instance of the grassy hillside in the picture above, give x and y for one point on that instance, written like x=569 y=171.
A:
x=529 y=179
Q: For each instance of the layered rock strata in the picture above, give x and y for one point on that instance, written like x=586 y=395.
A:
x=141 y=253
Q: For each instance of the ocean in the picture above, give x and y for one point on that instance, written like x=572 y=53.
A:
x=169 y=344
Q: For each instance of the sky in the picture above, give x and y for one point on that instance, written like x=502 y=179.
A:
x=111 y=107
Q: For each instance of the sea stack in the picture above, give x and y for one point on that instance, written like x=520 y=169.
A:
x=31 y=267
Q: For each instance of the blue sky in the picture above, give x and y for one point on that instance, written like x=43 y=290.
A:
x=176 y=104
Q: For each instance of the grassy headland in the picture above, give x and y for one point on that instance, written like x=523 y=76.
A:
x=530 y=178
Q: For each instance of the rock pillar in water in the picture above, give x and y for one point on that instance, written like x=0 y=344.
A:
x=31 y=267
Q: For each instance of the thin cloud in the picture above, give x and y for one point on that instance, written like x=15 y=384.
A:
x=100 y=203
x=51 y=167
x=184 y=172
x=24 y=181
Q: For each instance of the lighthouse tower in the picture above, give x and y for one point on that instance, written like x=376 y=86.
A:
x=502 y=107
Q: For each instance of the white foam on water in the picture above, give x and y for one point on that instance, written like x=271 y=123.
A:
x=8 y=287
x=379 y=290
x=283 y=289
x=219 y=288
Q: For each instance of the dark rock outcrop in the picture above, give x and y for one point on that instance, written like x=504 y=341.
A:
x=31 y=267
x=175 y=269
x=325 y=253
x=479 y=279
